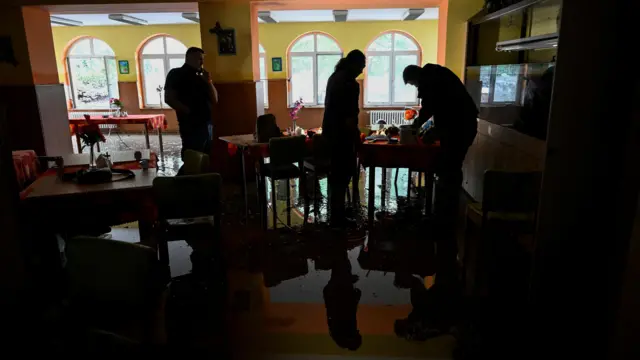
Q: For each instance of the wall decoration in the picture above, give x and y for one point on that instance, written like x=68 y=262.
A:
x=276 y=64
x=123 y=66
x=6 y=51
x=226 y=39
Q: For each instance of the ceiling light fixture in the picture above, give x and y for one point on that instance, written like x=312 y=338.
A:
x=412 y=14
x=266 y=17
x=340 y=15
x=127 y=19
x=63 y=21
x=193 y=16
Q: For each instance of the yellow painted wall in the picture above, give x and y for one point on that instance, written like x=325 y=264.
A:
x=350 y=35
x=124 y=40
x=459 y=12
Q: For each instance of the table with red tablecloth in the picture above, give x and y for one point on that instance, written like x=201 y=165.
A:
x=156 y=122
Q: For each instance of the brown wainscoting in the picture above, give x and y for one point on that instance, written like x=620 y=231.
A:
x=23 y=118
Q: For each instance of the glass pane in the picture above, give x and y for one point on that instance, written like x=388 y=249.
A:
x=304 y=44
x=378 y=72
x=81 y=47
x=89 y=82
x=155 y=46
x=263 y=68
x=403 y=93
x=302 y=78
x=112 y=76
x=175 y=47
x=326 y=66
x=261 y=49
x=153 y=76
x=382 y=43
x=327 y=44
x=485 y=79
x=506 y=83
x=265 y=86
x=101 y=48
x=402 y=42
x=175 y=63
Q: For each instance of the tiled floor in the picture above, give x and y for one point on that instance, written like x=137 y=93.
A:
x=281 y=283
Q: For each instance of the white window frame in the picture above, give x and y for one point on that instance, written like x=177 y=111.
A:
x=167 y=67
x=392 y=64
x=265 y=79
x=314 y=55
x=91 y=56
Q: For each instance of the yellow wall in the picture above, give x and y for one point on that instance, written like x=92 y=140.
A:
x=124 y=40
x=350 y=35
x=459 y=12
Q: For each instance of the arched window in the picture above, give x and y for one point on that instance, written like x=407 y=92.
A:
x=387 y=56
x=263 y=75
x=93 y=76
x=312 y=59
x=157 y=56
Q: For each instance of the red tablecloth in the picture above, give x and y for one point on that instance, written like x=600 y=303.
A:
x=414 y=157
x=153 y=121
x=261 y=149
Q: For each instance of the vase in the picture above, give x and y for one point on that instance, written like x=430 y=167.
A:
x=92 y=159
x=293 y=127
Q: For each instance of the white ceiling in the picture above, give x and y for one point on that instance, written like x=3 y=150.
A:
x=162 y=18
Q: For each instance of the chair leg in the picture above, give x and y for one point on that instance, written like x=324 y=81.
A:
x=383 y=190
x=288 y=182
x=409 y=186
x=428 y=182
x=316 y=202
x=273 y=203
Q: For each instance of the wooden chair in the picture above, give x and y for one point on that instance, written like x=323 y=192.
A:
x=283 y=154
x=509 y=204
x=117 y=288
x=196 y=163
x=189 y=208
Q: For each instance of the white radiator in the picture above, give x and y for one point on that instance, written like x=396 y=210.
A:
x=81 y=114
x=391 y=117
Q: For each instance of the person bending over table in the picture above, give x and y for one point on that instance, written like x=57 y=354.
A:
x=444 y=97
x=340 y=128
x=190 y=92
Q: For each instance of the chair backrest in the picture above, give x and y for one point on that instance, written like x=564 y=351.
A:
x=188 y=196
x=105 y=271
x=287 y=150
x=507 y=191
x=195 y=163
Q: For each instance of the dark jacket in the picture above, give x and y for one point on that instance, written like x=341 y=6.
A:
x=446 y=99
x=192 y=91
x=341 y=106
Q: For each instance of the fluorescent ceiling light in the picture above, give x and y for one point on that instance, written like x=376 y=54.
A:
x=67 y=22
x=340 y=15
x=127 y=19
x=193 y=16
x=266 y=17
x=412 y=14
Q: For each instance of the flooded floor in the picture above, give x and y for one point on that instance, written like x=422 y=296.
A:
x=303 y=292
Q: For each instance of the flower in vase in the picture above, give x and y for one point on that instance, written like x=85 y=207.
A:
x=115 y=102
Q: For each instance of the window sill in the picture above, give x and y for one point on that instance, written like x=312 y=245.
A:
x=155 y=108
x=89 y=110
x=389 y=107
x=310 y=107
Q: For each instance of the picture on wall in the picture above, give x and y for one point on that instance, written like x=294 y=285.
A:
x=226 y=41
x=123 y=66
x=276 y=64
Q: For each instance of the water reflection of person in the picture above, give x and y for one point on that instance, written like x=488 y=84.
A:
x=341 y=300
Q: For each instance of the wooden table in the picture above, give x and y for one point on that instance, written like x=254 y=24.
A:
x=150 y=121
x=420 y=158
x=117 y=157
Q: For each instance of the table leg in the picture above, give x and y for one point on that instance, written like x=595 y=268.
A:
x=355 y=185
x=244 y=189
x=383 y=189
x=288 y=184
x=429 y=192
x=161 y=145
x=98 y=146
x=409 y=187
x=78 y=142
x=146 y=136
x=372 y=191
x=263 y=194
x=273 y=203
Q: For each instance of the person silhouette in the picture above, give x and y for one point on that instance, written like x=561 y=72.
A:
x=341 y=300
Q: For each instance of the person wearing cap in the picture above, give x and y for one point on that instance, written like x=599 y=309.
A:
x=454 y=112
x=340 y=129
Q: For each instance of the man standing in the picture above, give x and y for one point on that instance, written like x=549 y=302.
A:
x=190 y=92
x=444 y=97
x=340 y=128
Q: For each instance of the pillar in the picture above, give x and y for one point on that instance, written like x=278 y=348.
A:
x=29 y=85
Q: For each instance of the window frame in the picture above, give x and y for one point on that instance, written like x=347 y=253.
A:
x=314 y=55
x=104 y=59
x=166 y=57
x=265 y=80
x=391 y=54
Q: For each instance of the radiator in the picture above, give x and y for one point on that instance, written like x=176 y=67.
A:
x=81 y=114
x=391 y=117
